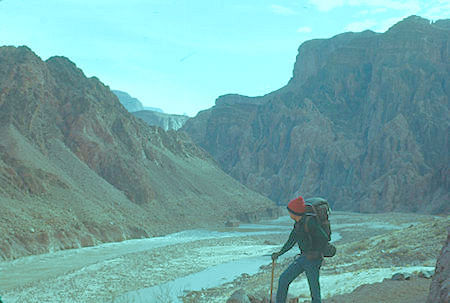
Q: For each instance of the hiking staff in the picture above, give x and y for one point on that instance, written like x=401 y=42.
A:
x=271 y=283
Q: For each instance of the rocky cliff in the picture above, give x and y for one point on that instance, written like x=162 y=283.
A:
x=440 y=285
x=363 y=122
x=132 y=104
x=163 y=120
x=76 y=169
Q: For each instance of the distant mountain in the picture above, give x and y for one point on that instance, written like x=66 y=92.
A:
x=364 y=121
x=77 y=169
x=151 y=115
x=132 y=104
x=165 y=121
x=153 y=109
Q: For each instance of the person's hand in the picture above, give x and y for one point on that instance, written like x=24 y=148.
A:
x=275 y=256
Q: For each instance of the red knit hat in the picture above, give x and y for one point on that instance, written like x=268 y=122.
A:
x=297 y=206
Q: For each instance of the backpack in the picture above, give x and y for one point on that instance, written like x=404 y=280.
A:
x=320 y=208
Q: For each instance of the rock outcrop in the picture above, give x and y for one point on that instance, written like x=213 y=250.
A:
x=363 y=122
x=440 y=285
x=163 y=120
x=77 y=169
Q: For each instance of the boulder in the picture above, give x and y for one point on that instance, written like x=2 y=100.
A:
x=401 y=276
x=232 y=223
x=256 y=300
x=239 y=296
x=425 y=274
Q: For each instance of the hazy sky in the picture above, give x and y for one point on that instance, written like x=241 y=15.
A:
x=180 y=55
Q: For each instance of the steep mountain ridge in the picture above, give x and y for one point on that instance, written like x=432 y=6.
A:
x=363 y=121
x=76 y=169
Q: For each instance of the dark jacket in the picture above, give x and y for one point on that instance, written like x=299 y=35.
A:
x=309 y=242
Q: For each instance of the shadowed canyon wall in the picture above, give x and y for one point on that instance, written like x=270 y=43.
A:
x=364 y=121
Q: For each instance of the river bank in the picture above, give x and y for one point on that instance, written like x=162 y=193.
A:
x=116 y=271
x=371 y=249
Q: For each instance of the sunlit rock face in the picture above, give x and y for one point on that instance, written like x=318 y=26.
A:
x=363 y=122
x=133 y=104
x=152 y=116
x=77 y=169
x=130 y=103
x=165 y=121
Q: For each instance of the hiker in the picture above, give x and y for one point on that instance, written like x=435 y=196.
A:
x=312 y=241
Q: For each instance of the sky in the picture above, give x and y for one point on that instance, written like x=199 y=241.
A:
x=180 y=55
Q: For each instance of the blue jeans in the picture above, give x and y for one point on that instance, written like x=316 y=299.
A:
x=300 y=264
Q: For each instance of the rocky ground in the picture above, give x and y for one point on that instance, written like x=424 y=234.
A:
x=371 y=248
x=414 y=290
